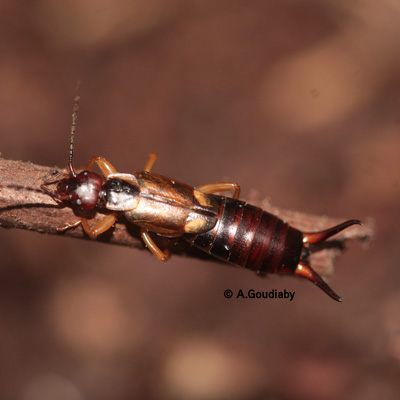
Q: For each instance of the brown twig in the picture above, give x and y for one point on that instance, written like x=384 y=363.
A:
x=23 y=205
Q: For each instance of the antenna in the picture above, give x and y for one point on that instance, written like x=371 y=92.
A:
x=73 y=129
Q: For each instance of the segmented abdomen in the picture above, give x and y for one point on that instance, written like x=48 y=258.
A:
x=249 y=237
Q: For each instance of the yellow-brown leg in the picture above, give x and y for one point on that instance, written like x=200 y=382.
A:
x=102 y=226
x=150 y=162
x=221 y=187
x=163 y=256
x=105 y=166
x=69 y=225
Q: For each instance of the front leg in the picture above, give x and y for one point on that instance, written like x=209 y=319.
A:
x=102 y=226
x=105 y=166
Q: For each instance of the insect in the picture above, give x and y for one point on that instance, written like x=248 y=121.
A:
x=225 y=227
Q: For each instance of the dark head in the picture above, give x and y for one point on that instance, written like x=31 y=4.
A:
x=80 y=191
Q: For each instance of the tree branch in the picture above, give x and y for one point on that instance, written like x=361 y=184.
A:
x=23 y=205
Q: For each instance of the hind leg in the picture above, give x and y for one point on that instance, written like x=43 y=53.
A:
x=221 y=187
x=162 y=256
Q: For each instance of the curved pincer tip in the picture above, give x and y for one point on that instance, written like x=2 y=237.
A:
x=316 y=237
x=352 y=222
x=307 y=272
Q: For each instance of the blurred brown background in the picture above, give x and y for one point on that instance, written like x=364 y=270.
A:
x=298 y=101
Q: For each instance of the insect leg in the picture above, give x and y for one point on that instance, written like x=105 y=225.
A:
x=150 y=162
x=144 y=233
x=69 y=225
x=105 y=166
x=221 y=187
x=102 y=226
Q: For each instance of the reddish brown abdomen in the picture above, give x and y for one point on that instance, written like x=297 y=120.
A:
x=249 y=237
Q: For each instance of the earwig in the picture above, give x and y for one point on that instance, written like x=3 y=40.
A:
x=225 y=227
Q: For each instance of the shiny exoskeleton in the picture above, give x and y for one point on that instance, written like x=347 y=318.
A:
x=225 y=227
x=252 y=238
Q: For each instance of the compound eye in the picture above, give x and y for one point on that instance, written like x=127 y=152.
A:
x=65 y=188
